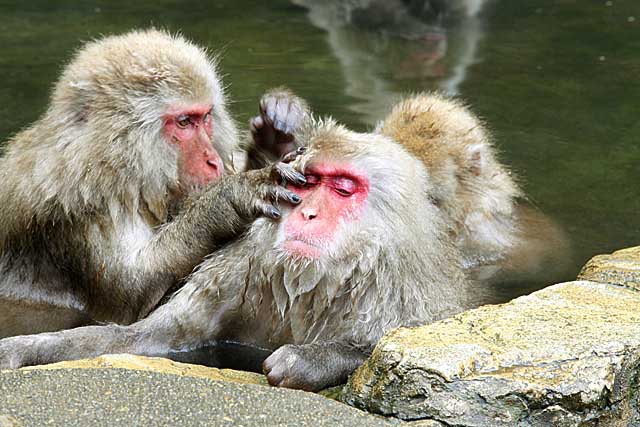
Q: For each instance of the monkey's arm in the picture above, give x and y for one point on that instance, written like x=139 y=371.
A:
x=195 y=315
x=313 y=367
x=221 y=213
x=282 y=113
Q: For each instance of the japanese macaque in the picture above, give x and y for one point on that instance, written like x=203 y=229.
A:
x=365 y=251
x=106 y=201
x=500 y=236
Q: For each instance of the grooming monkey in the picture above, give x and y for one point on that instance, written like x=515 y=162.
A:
x=365 y=251
x=500 y=236
x=119 y=190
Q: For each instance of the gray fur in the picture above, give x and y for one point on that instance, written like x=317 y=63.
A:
x=393 y=266
x=95 y=226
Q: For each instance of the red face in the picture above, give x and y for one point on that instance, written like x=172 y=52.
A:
x=334 y=193
x=190 y=129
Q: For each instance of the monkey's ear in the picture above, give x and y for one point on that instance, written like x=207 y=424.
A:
x=477 y=158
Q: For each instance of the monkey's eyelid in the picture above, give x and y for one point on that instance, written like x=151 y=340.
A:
x=312 y=179
x=343 y=192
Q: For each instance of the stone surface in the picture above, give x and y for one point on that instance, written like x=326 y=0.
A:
x=564 y=356
x=8 y=421
x=620 y=268
x=157 y=364
x=134 y=397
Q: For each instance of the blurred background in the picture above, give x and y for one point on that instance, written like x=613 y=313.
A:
x=555 y=80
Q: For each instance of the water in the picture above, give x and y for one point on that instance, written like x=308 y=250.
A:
x=556 y=81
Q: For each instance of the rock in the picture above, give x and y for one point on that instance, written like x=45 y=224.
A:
x=620 y=268
x=143 y=395
x=564 y=356
x=8 y=421
x=162 y=365
x=157 y=364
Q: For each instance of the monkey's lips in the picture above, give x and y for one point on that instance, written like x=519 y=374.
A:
x=301 y=248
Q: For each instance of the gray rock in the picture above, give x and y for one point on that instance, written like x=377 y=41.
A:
x=8 y=421
x=123 y=397
x=564 y=356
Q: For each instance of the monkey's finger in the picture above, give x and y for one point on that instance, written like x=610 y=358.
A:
x=288 y=173
x=256 y=123
x=270 y=108
x=275 y=193
x=291 y=156
x=295 y=117
x=273 y=370
x=281 y=114
x=281 y=193
x=267 y=209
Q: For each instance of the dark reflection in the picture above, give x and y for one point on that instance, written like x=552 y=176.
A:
x=428 y=43
x=224 y=354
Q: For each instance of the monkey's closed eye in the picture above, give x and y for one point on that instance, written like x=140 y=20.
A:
x=343 y=192
x=312 y=180
x=344 y=186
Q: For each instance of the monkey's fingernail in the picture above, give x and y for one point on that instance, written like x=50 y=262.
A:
x=300 y=179
x=274 y=213
x=257 y=122
x=301 y=150
x=295 y=198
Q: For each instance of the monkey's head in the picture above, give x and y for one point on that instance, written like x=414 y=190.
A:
x=367 y=232
x=148 y=104
x=363 y=193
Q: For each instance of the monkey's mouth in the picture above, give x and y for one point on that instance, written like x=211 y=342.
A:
x=302 y=248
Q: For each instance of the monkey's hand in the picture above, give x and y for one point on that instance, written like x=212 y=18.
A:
x=312 y=367
x=258 y=192
x=281 y=114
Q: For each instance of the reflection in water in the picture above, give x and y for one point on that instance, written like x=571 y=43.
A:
x=379 y=42
x=224 y=354
x=386 y=47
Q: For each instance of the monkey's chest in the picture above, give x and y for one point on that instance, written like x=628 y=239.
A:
x=273 y=317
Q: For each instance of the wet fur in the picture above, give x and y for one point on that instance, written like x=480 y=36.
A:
x=394 y=266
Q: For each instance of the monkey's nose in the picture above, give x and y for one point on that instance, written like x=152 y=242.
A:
x=213 y=164
x=309 y=214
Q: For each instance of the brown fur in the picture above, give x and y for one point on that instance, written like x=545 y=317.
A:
x=490 y=221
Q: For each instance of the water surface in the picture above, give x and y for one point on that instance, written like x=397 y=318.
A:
x=556 y=82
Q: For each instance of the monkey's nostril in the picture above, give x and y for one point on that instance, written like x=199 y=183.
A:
x=212 y=163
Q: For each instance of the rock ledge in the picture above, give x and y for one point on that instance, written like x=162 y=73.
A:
x=564 y=356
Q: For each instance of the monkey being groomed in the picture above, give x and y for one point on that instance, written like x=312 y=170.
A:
x=365 y=251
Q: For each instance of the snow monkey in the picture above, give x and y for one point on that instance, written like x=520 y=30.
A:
x=120 y=190
x=365 y=251
x=500 y=236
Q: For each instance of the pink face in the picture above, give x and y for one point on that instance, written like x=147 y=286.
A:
x=190 y=129
x=334 y=193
